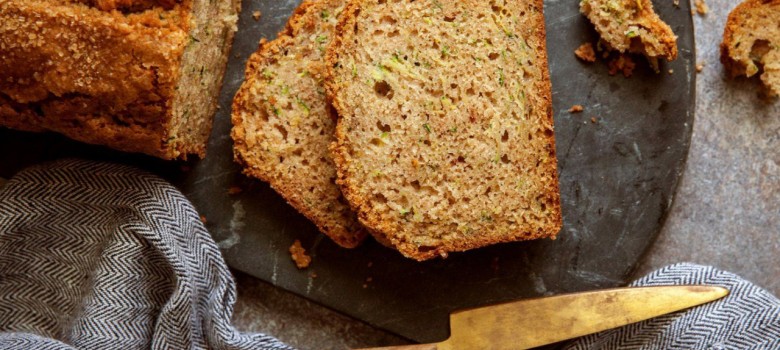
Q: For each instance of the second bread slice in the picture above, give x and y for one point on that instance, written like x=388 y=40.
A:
x=445 y=141
x=283 y=126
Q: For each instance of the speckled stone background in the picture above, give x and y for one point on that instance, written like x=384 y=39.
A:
x=727 y=211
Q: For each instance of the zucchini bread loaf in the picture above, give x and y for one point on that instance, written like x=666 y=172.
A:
x=445 y=138
x=632 y=26
x=134 y=75
x=751 y=42
x=283 y=125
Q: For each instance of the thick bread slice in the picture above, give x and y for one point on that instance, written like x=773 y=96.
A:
x=142 y=80
x=445 y=138
x=632 y=26
x=751 y=42
x=283 y=125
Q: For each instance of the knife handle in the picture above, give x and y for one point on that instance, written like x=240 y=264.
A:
x=406 y=347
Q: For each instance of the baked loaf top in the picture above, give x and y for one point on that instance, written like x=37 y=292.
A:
x=632 y=26
x=445 y=138
x=143 y=81
x=283 y=125
x=751 y=42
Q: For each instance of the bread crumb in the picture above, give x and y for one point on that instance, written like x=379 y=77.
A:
x=700 y=67
x=676 y=3
x=365 y=286
x=623 y=63
x=234 y=190
x=671 y=71
x=701 y=7
x=586 y=53
x=576 y=109
x=203 y=219
x=256 y=15
x=370 y=263
x=368 y=280
x=313 y=275
x=593 y=120
x=298 y=255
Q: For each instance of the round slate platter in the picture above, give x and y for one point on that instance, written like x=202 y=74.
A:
x=617 y=178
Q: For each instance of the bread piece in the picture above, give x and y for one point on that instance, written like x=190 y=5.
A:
x=751 y=42
x=143 y=80
x=631 y=26
x=283 y=125
x=445 y=138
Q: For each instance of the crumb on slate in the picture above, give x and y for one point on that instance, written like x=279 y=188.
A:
x=700 y=66
x=203 y=219
x=623 y=63
x=234 y=190
x=298 y=255
x=576 y=109
x=256 y=15
x=586 y=53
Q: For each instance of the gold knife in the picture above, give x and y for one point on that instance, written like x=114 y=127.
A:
x=535 y=322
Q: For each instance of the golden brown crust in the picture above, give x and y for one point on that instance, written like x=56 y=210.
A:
x=386 y=231
x=741 y=41
x=97 y=76
x=337 y=222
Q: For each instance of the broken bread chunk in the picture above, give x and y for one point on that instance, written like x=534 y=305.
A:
x=631 y=26
x=445 y=139
x=751 y=43
x=283 y=125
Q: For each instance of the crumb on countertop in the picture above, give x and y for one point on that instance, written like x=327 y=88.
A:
x=234 y=190
x=203 y=219
x=586 y=53
x=576 y=109
x=676 y=3
x=594 y=120
x=700 y=66
x=671 y=71
x=298 y=255
x=313 y=275
x=701 y=7
x=256 y=15
x=623 y=63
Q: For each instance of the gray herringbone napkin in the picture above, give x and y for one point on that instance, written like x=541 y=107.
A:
x=100 y=256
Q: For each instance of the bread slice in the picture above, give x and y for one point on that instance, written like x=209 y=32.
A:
x=751 y=42
x=140 y=76
x=631 y=26
x=445 y=138
x=283 y=125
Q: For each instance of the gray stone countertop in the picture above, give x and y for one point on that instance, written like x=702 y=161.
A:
x=726 y=214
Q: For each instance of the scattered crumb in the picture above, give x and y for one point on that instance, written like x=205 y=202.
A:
x=693 y=12
x=298 y=255
x=576 y=109
x=203 y=219
x=700 y=66
x=671 y=71
x=701 y=7
x=365 y=286
x=622 y=63
x=586 y=53
x=594 y=120
x=370 y=263
x=368 y=280
x=313 y=275
x=235 y=190
x=256 y=15
x=676 y=3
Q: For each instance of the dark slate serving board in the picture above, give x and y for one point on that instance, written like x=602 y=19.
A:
x=618 y=179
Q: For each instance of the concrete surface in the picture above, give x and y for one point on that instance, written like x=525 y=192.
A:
x=727 y=211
